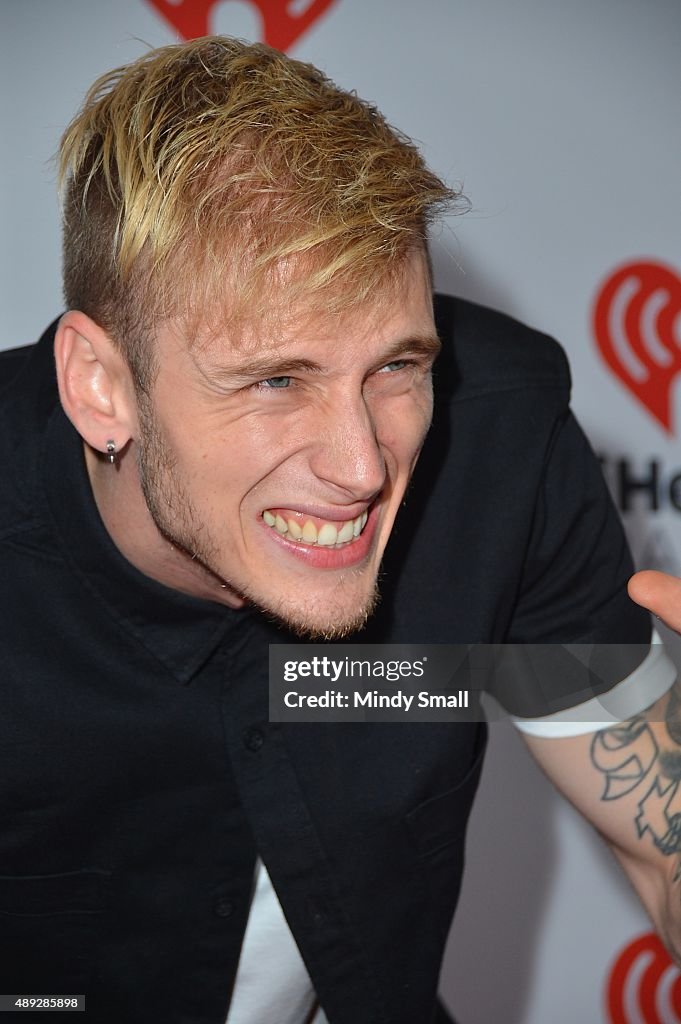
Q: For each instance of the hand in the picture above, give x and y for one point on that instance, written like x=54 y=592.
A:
x=660 y=593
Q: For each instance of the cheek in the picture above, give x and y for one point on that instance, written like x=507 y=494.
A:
x=403 y=424
x=239 y=457
x=273 y=436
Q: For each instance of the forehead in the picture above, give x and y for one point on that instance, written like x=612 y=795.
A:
x=401 y=307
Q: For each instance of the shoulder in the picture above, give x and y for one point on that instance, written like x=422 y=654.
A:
x=28 y=397
x=28 y=370
x=11 y=363
x=488 y=351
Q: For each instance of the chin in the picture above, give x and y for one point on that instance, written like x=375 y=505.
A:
x=321 y=619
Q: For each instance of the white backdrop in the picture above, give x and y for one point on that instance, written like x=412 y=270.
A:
x=561 y=122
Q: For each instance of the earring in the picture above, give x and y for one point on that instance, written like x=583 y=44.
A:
x=111 y=452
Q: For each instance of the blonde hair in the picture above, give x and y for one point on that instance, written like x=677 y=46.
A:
x=217 y=175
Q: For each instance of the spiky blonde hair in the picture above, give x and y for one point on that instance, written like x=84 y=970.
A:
x=217 y=178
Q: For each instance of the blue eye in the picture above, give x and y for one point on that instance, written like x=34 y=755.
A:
x=397 y=364
x=276 y=382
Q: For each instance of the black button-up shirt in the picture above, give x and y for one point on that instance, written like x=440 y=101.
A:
x=139 y=775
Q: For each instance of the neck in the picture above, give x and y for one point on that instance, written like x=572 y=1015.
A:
x=123 y=510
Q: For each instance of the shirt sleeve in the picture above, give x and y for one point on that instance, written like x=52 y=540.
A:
x=575 y=634
x=649 y=681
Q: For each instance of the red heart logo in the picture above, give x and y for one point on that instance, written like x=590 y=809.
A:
x=284 y=21
x=638 y=331
x=644 y=985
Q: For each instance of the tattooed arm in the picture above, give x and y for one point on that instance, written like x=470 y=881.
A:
x=626 y=780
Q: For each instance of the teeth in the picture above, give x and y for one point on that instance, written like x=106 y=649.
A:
x=345 y=533
x=293 y=528
x=310 y=533
x=329 y=535
x=280 y=525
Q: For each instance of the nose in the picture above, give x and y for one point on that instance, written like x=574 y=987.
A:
x=347 y=454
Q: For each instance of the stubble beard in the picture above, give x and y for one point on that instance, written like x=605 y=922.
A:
x=178 y=521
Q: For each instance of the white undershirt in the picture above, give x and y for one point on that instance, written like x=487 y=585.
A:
x=272 y=985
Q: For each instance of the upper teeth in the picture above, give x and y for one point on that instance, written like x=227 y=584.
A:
x=326 y=536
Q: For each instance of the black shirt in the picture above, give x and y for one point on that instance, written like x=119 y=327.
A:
x=139 y=774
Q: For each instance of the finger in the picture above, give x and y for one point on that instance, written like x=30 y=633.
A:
x=660 y=593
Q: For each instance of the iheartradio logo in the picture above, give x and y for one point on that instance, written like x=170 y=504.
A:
x=644 y=985
x=283 y=20
x=637 y=324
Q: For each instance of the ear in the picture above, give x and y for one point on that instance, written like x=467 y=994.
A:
x=95 y=385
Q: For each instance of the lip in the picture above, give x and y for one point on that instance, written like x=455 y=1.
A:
x=335 y=514
x=318 y=557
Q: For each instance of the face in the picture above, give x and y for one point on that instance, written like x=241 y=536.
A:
x=279 y=464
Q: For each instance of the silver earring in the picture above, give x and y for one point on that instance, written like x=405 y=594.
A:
x=111 y=452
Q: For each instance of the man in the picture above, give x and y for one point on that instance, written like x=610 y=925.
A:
x=244 y=390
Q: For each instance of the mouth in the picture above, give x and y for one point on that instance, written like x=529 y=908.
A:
x=314 y=531
x=325 y=541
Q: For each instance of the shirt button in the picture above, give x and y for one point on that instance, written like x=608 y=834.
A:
x=254 y=739
x=224 y=908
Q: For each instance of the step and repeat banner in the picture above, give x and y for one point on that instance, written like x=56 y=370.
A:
x=560 y=121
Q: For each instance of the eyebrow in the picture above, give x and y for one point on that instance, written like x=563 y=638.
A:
x=426 y=345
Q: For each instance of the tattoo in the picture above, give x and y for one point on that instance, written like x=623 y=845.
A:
x=673 y=715
x=627 y=755
x=670 y=764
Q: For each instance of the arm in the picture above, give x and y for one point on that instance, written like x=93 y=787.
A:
x=626 y=780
